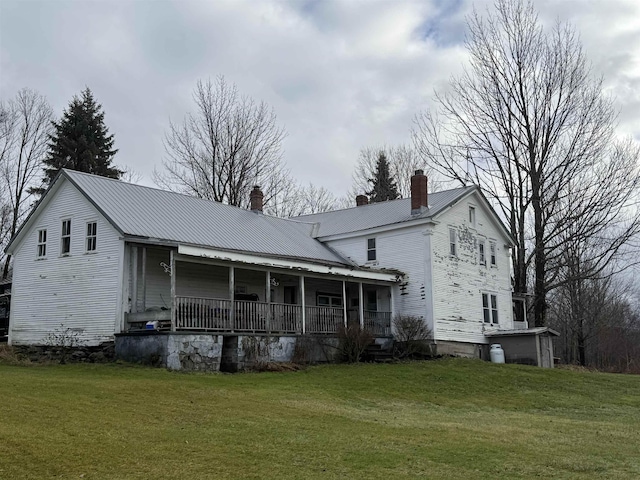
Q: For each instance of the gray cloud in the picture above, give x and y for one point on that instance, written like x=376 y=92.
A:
x=340 y=75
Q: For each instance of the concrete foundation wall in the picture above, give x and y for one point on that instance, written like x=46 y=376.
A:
x=207 y=352
x=146 y=349
x=461 y=349
x=194 y=352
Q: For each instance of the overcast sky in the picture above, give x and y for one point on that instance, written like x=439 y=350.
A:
x=341 y=75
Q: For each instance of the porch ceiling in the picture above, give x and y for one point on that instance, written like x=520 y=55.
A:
x=285 y=264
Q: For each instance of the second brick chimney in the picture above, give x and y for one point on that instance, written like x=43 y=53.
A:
x=362 y=200
x=419 y=196
x=256 y=198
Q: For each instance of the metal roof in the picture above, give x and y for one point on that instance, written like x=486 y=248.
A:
x=380 y=214
x=147 y=212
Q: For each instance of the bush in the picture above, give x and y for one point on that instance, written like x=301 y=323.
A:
x=353 y=341
x=412 y=337
x=9 y=356
x=66 y=340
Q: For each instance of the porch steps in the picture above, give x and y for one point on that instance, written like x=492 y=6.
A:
x=375 y=353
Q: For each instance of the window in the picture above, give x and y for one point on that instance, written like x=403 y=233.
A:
x=371 y=249
x=492 y=250
x=453 y=250
x=472 y=216
x=329 y=300
x=65 y=240
x=372 y=301
x=482 y=259
x=42 y=243
x=490 y=308
x=92 y=231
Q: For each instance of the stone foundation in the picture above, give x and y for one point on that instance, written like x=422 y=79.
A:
x=103 y=353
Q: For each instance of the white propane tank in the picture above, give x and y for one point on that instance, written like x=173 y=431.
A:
x=496 y=353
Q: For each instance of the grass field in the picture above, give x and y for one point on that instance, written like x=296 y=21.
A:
x=440 y=419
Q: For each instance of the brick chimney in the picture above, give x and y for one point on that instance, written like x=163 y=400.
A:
x=362 y=200
x=255 y=198
x=419 y=196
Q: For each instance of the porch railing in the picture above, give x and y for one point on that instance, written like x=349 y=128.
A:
x=323 y=319
x=378 y=323
x=196 y=313
x=214 y=314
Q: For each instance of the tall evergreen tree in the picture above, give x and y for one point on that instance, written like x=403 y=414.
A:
x=383 y=185
x=81 y=142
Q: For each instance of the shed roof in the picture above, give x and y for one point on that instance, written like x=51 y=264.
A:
x=523 y=331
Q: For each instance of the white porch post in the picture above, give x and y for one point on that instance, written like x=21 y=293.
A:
x=172 y=261
x=302 y=302
x=125 y=306
x=392 y=307
x=344 y=302
x=267 y=296
x=361 y=305
x=232 y=290
x=134 y=279
x=144 y=279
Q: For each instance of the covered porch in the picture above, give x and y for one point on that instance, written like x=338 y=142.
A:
x=190 y=293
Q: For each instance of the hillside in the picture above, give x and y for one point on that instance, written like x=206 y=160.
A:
x=442 y=419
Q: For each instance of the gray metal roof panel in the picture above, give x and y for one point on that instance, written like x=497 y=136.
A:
x=148 y=212
x=379 y=214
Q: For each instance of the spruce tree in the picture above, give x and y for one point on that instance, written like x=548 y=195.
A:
x=383 y=185
x=81 y=142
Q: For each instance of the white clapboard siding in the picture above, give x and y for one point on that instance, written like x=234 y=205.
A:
x=459 y=282
x=446 y=292
x=80 y=291
x=402 y=249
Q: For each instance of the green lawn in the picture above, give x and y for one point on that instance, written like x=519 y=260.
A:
x=440 y=419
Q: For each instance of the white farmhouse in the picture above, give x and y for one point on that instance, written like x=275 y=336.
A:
x=102 y=258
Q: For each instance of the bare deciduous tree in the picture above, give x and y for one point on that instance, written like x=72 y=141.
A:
x=228 y=145
x=529 y=123
x=294 y=200
x=25 y=125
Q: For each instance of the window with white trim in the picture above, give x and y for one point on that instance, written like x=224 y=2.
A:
x=482 y=258
x=92 y=236
x=65 y=238
x=453 y=242
x=42 y=243
x=472 y=216
x=490 y=308
x=371 y=249
x=492 y=252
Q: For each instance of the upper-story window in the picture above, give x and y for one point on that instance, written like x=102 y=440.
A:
x=492 y=252
x=42 y=243
x=65 y=238
x=490 y=308
x=472 y=216
x=92 y=236
x=453 y=242
x=482 y=258
x=371 y=249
